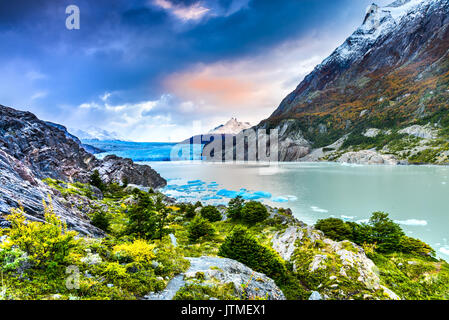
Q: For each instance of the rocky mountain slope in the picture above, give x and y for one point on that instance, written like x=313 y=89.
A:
x=32 y=150
x=385 y=89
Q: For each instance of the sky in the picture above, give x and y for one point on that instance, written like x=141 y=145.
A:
x=163 y=70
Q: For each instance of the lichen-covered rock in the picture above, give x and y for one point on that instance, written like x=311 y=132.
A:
x=213 y=271
x=315 y=296
x=116 y=169
x=338 y=270
x=29 y=194
x=285 y=243
x=425 y=132
x=371 y=132
x=368 y=157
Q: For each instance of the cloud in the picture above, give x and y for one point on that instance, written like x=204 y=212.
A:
x=194 y=11
x=39 y=95
x=35 y=75
x=241 y=87
x=164 y=119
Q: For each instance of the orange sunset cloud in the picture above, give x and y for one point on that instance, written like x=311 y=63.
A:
x=216 y=89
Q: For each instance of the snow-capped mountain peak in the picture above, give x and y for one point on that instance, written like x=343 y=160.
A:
x=379 y=22
x=233 y=126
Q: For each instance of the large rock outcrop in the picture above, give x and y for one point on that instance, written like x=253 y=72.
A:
x=336 y=270
x=213 y=271
x=32 y=150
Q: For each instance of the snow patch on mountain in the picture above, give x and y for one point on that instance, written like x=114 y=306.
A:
x=378 y=22
x=95 y=133
x=233 y=126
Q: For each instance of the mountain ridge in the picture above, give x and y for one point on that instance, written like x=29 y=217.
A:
x=390 y=74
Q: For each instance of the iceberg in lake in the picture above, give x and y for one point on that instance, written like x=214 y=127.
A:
x=263 y=194
x=317 y=209
x=280 y=199
x=227 y=193
x=206 y=198
x=244 y=194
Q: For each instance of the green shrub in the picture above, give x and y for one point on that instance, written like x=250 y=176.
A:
x=235 y=208
x=211 y=213
x=198 y=204
x=335 y=229
x=96 y=181
x=385 y=233
x=47 y=244
x=244 y=247
x=142 y=218
x=253 y=212
x=199 y=228
x=101 y=220
x=11 y=259
x=380 y=233
x=416 y=247
x=190 y=211
x=194 y=291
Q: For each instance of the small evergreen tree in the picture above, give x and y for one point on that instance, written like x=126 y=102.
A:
x=198 y=228
x=386 y=233
x=253 y=212
x=198 y=204
x=96 y=181
x=190 y=211
x=101 y=220
x=334 y=228
x=125 y=182
x=242 y=246
x=235 y=208
x=142 y=218
x=211 y=213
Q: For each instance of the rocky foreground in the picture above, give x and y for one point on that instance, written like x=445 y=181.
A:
x=130 y=242
x=32 y=150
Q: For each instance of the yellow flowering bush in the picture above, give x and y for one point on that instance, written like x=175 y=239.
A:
x=139 y=251
x=47 y=244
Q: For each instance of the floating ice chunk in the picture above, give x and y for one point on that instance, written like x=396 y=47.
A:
x=346 y=218
x=317 y=209
x=227 y=193
x=212 y=185
x=195 y=182
x=412 y=222
x=171 y=187
x=280 y=199
x=249 y=196
x=211 y=198
x=263 y=194
x=292 y=198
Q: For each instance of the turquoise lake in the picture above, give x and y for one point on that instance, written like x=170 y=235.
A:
x=417 y=197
